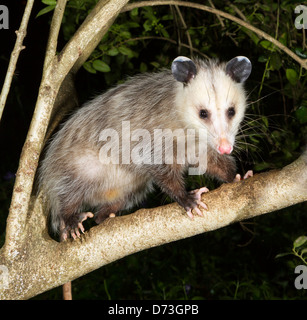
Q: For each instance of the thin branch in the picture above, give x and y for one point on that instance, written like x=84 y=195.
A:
x=21 y=33
x=238 y=11
x=260 y=33
x=166 y=39
x=54 y=32
x=184 y=25
x=219 y=18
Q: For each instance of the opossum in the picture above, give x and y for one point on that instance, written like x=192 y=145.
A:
x=78 y=171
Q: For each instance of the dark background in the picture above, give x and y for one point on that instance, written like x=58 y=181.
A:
x=237 y=262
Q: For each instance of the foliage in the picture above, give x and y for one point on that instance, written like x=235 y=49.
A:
x=236 y=262
x=275 y=127
x=299 y=249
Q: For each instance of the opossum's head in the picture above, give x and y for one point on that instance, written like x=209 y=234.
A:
x=212 y=97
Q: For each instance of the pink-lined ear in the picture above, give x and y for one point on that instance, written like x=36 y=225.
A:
x=183 y=69
x=239 y=68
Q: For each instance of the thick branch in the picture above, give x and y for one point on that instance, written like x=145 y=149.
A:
x=55 y=72
x=43 y=263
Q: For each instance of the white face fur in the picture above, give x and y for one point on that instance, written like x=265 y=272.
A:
x=214 y=99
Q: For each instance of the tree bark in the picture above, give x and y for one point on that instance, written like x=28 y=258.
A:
x=40 y=263
x=56 y=69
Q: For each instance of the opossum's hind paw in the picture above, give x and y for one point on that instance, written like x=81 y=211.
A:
x=248 y=174
x=72 y=229
x=197 y=195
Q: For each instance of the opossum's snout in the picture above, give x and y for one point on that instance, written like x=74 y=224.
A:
x=224 y=147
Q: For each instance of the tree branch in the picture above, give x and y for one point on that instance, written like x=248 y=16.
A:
x=260 y=33
x=54 y=32
x=44 y=263
x=21 y=33
x=56 y=70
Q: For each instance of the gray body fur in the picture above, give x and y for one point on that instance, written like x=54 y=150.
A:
x=74 y=179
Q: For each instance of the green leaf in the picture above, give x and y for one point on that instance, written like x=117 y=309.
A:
x=265 y=121
x=126 y=51
x=262 y=59
x=267 y=45
x=45 y=10
x=300 y=53
x=280 y=255
x=134 y=12
x=262 y=166
x=292 y=76
x=283 y=39
x=132 y=24
x=143 y=67
x=275 y=62
x=49 y=2
x=299 y=241
x=155 y=64
x=113 y=52
x=301 y=114
x=125 y=34
x=101 y=66
x=165 y=33
x=88 y=67
x=147 y=25
x=251 y=34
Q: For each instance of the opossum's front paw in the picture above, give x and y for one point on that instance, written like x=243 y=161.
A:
x=248 y=174
x=72 y=227
x=197 y=200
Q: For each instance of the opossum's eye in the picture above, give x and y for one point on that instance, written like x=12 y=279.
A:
x=231 y=112
x=204 y=114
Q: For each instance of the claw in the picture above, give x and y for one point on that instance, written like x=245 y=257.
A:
x=80 y=226
x=63 y=236
x=87 y=215
x=74 y=232
x=196 y=209
x=73 y=235
x=202 y=204
x=248 y=174
x=198 y=193
x=190 y=214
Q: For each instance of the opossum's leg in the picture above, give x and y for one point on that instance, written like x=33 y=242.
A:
x=248 y=174
x=72 y=223
x=197 y=194
x=108 y=211
x=172 y=183
x=222 y=167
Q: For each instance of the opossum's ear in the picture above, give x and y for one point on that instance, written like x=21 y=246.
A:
x=239 y=68
x=183 y=69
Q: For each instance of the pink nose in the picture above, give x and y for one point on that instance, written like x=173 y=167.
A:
x=225 y=147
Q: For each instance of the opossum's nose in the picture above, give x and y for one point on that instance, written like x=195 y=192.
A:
x=225 y=147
